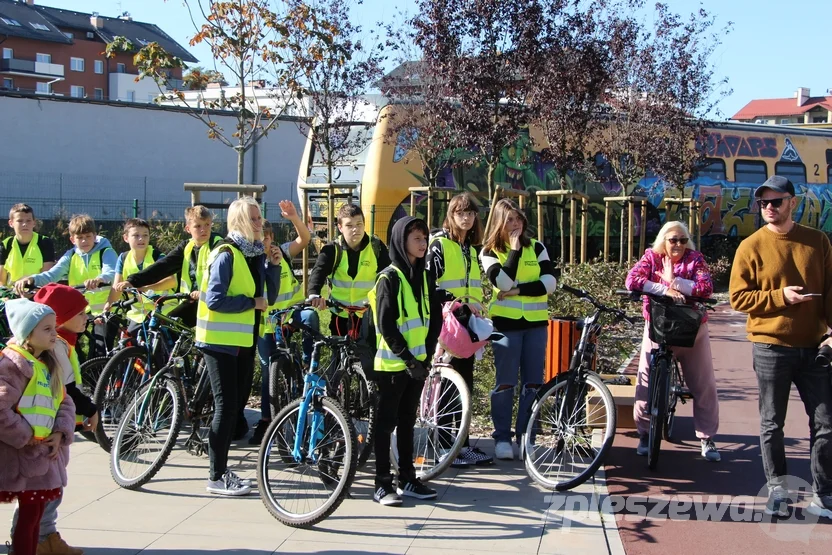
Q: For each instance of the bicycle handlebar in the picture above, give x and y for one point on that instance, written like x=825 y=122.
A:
x=582 y=294
x=636 y=295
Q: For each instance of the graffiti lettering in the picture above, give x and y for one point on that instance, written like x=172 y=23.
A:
x=730 y=146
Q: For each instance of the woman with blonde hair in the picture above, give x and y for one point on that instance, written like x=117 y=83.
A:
x=231 y=302
x=523 y=277
x=673 y=267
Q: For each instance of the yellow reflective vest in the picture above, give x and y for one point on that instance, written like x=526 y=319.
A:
x=290 y=293
x=354 y=291
x=185 y=285
x=413 y=327
x=532 y=309
x=137 y=311
x=17 y=265
x=37 y=405
x=224 y=328
x=80 y=272
x=462 y=276
x=76 y=372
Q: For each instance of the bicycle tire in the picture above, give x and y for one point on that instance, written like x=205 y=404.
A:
x=202 y=414
x=588 y=421
x=90 y=372
x=430 y=462
x=280 y=437
x=672 y=403
x=360 y=403
x=111 y=405
x=128 y=432
x=279 y=395
x=659 y=380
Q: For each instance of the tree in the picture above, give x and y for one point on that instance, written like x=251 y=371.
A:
x=334 y=72
x=249 y=40
x=198 y=78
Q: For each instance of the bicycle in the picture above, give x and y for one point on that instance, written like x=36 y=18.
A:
x=572 y=423
x=671 y=325
x=133 y=364
x=346 y=379
x=308 y=457
x=6 y=294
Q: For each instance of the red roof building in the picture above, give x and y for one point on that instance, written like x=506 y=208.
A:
x=801 y=108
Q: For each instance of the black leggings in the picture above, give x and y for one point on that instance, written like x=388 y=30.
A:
x=399 y=396
x=231 y=378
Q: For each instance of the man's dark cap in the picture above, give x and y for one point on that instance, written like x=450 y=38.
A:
x=775 y=183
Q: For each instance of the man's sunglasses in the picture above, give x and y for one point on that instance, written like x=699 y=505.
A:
x=678 y=240
x=775 y=202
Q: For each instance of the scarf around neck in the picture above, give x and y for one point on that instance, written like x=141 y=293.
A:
x=250 y=249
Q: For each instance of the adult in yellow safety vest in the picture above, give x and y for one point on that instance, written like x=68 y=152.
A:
x=406 y=312
x=229 y=312
x=453 y=262
x=523 y=277
x=26 y=253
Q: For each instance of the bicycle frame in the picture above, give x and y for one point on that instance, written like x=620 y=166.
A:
x=314 y=387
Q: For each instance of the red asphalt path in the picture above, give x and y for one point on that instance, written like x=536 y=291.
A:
x=684 y=476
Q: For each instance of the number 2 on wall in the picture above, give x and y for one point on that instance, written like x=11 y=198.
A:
x=817 y=169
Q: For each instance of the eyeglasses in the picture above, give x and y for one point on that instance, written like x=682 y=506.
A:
x=678 y=240
x=774 y=202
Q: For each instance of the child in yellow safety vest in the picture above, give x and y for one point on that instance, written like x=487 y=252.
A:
x=407 y=317
x=37 y=420
x=141 y=255
x=26 y=253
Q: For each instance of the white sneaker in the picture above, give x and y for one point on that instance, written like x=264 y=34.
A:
x=821 y=505
x=709 y=451
x=504 y=451
x=229 y=485
x=244 y=481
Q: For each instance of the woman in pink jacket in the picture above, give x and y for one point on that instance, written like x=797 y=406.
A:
x=674 y=268
x=37 y=420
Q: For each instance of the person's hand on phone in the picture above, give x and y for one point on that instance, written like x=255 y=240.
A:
x=792 y=295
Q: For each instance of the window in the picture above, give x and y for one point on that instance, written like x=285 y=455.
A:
x=713 y=168
x=8 y=83
x=8 y=53
x=76 y=64
x=784 y=121
x=39 y=26
x=44 y=88
x=98 y=66
x=99 y=94
x=794 y=171
x=121 y=68
x=819 y=119
x=44 y=58
x=8 y=21
x=747 y=171
x=76 y=91
x=131 y=96
x=68 y=35
x=829 y=174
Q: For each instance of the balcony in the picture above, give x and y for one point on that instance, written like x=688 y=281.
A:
x=28 y=68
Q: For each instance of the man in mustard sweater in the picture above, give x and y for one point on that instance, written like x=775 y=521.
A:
x=782 y=278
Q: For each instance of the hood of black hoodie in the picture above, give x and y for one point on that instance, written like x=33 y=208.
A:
x=398 y=251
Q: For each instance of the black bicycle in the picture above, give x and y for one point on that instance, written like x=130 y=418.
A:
x=671 y=325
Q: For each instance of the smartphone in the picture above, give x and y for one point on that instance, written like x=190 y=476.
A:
x=813 y=295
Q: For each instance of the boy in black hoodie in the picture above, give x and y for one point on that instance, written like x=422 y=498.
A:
x=403 y=300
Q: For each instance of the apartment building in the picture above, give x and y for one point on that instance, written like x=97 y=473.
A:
x=48 y=50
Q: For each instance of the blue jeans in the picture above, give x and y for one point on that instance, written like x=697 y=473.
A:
x=777 y=367
x=49 y=520
x=266 y=348
x=523 y=350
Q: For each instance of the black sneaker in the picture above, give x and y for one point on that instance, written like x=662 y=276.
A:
x=477 y=457
x=259 y=431
x=386 y=495
x=415 y=488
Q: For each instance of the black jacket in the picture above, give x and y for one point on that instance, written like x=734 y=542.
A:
x=325 y=264
x=170 y=265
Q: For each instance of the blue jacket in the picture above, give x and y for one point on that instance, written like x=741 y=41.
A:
x=60 y=270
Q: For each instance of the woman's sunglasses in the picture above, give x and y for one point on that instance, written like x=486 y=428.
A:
x=774 y=202
x=678 y=240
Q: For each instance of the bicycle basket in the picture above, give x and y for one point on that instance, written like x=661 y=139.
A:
x=674 y=324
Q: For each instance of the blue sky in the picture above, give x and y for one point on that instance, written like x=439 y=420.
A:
x=775 y=47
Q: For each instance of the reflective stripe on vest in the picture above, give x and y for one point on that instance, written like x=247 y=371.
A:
x=412 y=326
x=532 y=309
x=76 y=373
x=454 y=279
x=37 y=405
x=19 y=266
x=290 y=293
x=346 y=290
x=223 y=328
x=137 y=311
x=185 y=285
x=79 y=272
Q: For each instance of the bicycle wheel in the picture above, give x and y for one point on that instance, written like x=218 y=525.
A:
x=658 y=391
x=119 y=382
x=146 y=434
x=279 y=395
x=202 y=414
x=359 y=397
x=565 y=445
x=672 y=400
x=302 y=492
x=442 y=421
x=90 y=372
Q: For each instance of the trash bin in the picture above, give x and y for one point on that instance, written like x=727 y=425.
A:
x=563 y=335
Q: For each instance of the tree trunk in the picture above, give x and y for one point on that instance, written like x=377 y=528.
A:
x=241 y=165
x=562 y=227
x=492 y=166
